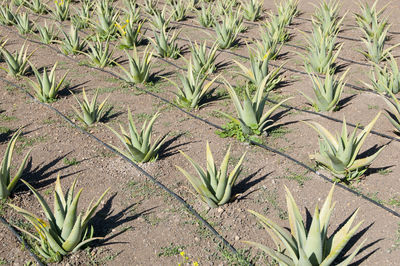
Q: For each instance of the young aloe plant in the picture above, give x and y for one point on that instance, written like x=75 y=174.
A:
x=394 y=107
x=99 y=53
x=226 y=36
x=203 y=62
x=326 y=17
x=287 y=10
x=205 y=16
x=36 y=6
x=138 y=147
x=107 y=18
x=7 y=182
x=81 y=18
x=17 y=63
x=179 y=10
x=370 y=21
x=159 y=20
x=327 y=92
x=376 y=51
x=46 y=87
x=340 y=155
x=321 y=55
x=65 y=230
x=132 y=11
x=130 y=34
x=252 y=9
x=214 y=187
x=277 y=28
x=47 y=34
x=90 y=112
x=268 y=45
x=308 y=246
x=139 y=70
x=7 y=16
x=22 y=23
x=193 y=90
x=166 y=45
x=251 y=116
x=72 y=43
x=259 y=70
x=61 y=10
x=150 y=6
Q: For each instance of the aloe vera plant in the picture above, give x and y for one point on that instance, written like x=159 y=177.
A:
x=149 y=6
x=277 y=28
x=107 y=18
x=82 y=17
x=203 y=62
x=259 y=70
x=327 y=18
x=394 y=110
x=252 y=9
x=47 y=34
x=139 y=70
x=268 y=45
x=287 y=10
x=251 y=116
x=99 y=53
x=205 y=16
x=7 y=16
x=308 y=246
x=36 y=6
x=214 y=187
x=61 y=9
x=17 y=63
x=322 y=52
x=7 y=182
x=327 y=92
x=159 y=19
x=227 y=35
x=90 y=112
x=339 y=154
x=132 y=11
x=46 y=88
x=22 y=23
x=179 y=10
x=165 y=44
x=65 y=230
x=72 y=43
x=193 y=91
x=375 y=48
x=137 y=145
x=130 y=33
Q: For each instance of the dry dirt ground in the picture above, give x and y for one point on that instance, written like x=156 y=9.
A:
x=142 y=224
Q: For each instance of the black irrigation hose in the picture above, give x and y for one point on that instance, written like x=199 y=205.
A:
x=21 y=240
x=218 y=127
x=153 y=179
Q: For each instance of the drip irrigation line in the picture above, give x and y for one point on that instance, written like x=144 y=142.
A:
x=137 y=167
x=21 y=240
x=327 y=178
x=216 y=126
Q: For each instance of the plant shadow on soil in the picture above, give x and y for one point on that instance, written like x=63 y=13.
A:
x=247 y=183
x=105 y=221
x=167 y=150
x=38 y=176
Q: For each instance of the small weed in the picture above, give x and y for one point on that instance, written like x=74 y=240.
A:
x=5 y=130
x=151 y=219
x=216 y=114
x=271 y=197
x=141 y=117
x=25 y=142
x=3 y=261
x=299 y=178
x=394 y=201
x=384 y=171
x=100 y=256
x=6 y=118
x=70 y=162
x=105 y=153
x=170 y=250
x=242 y=258
x=49 y=121
x=396 y=243
x=278 y=132
x=48 y=192
x=374 y=197
x=232 y=129
x=3 y=206
x=143 y=190
x=373 y=107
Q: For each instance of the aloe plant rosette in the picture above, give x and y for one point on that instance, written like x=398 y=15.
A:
x=308 y=247
x=65 y=230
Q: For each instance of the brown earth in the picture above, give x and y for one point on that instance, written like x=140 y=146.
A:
x=141 y=223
